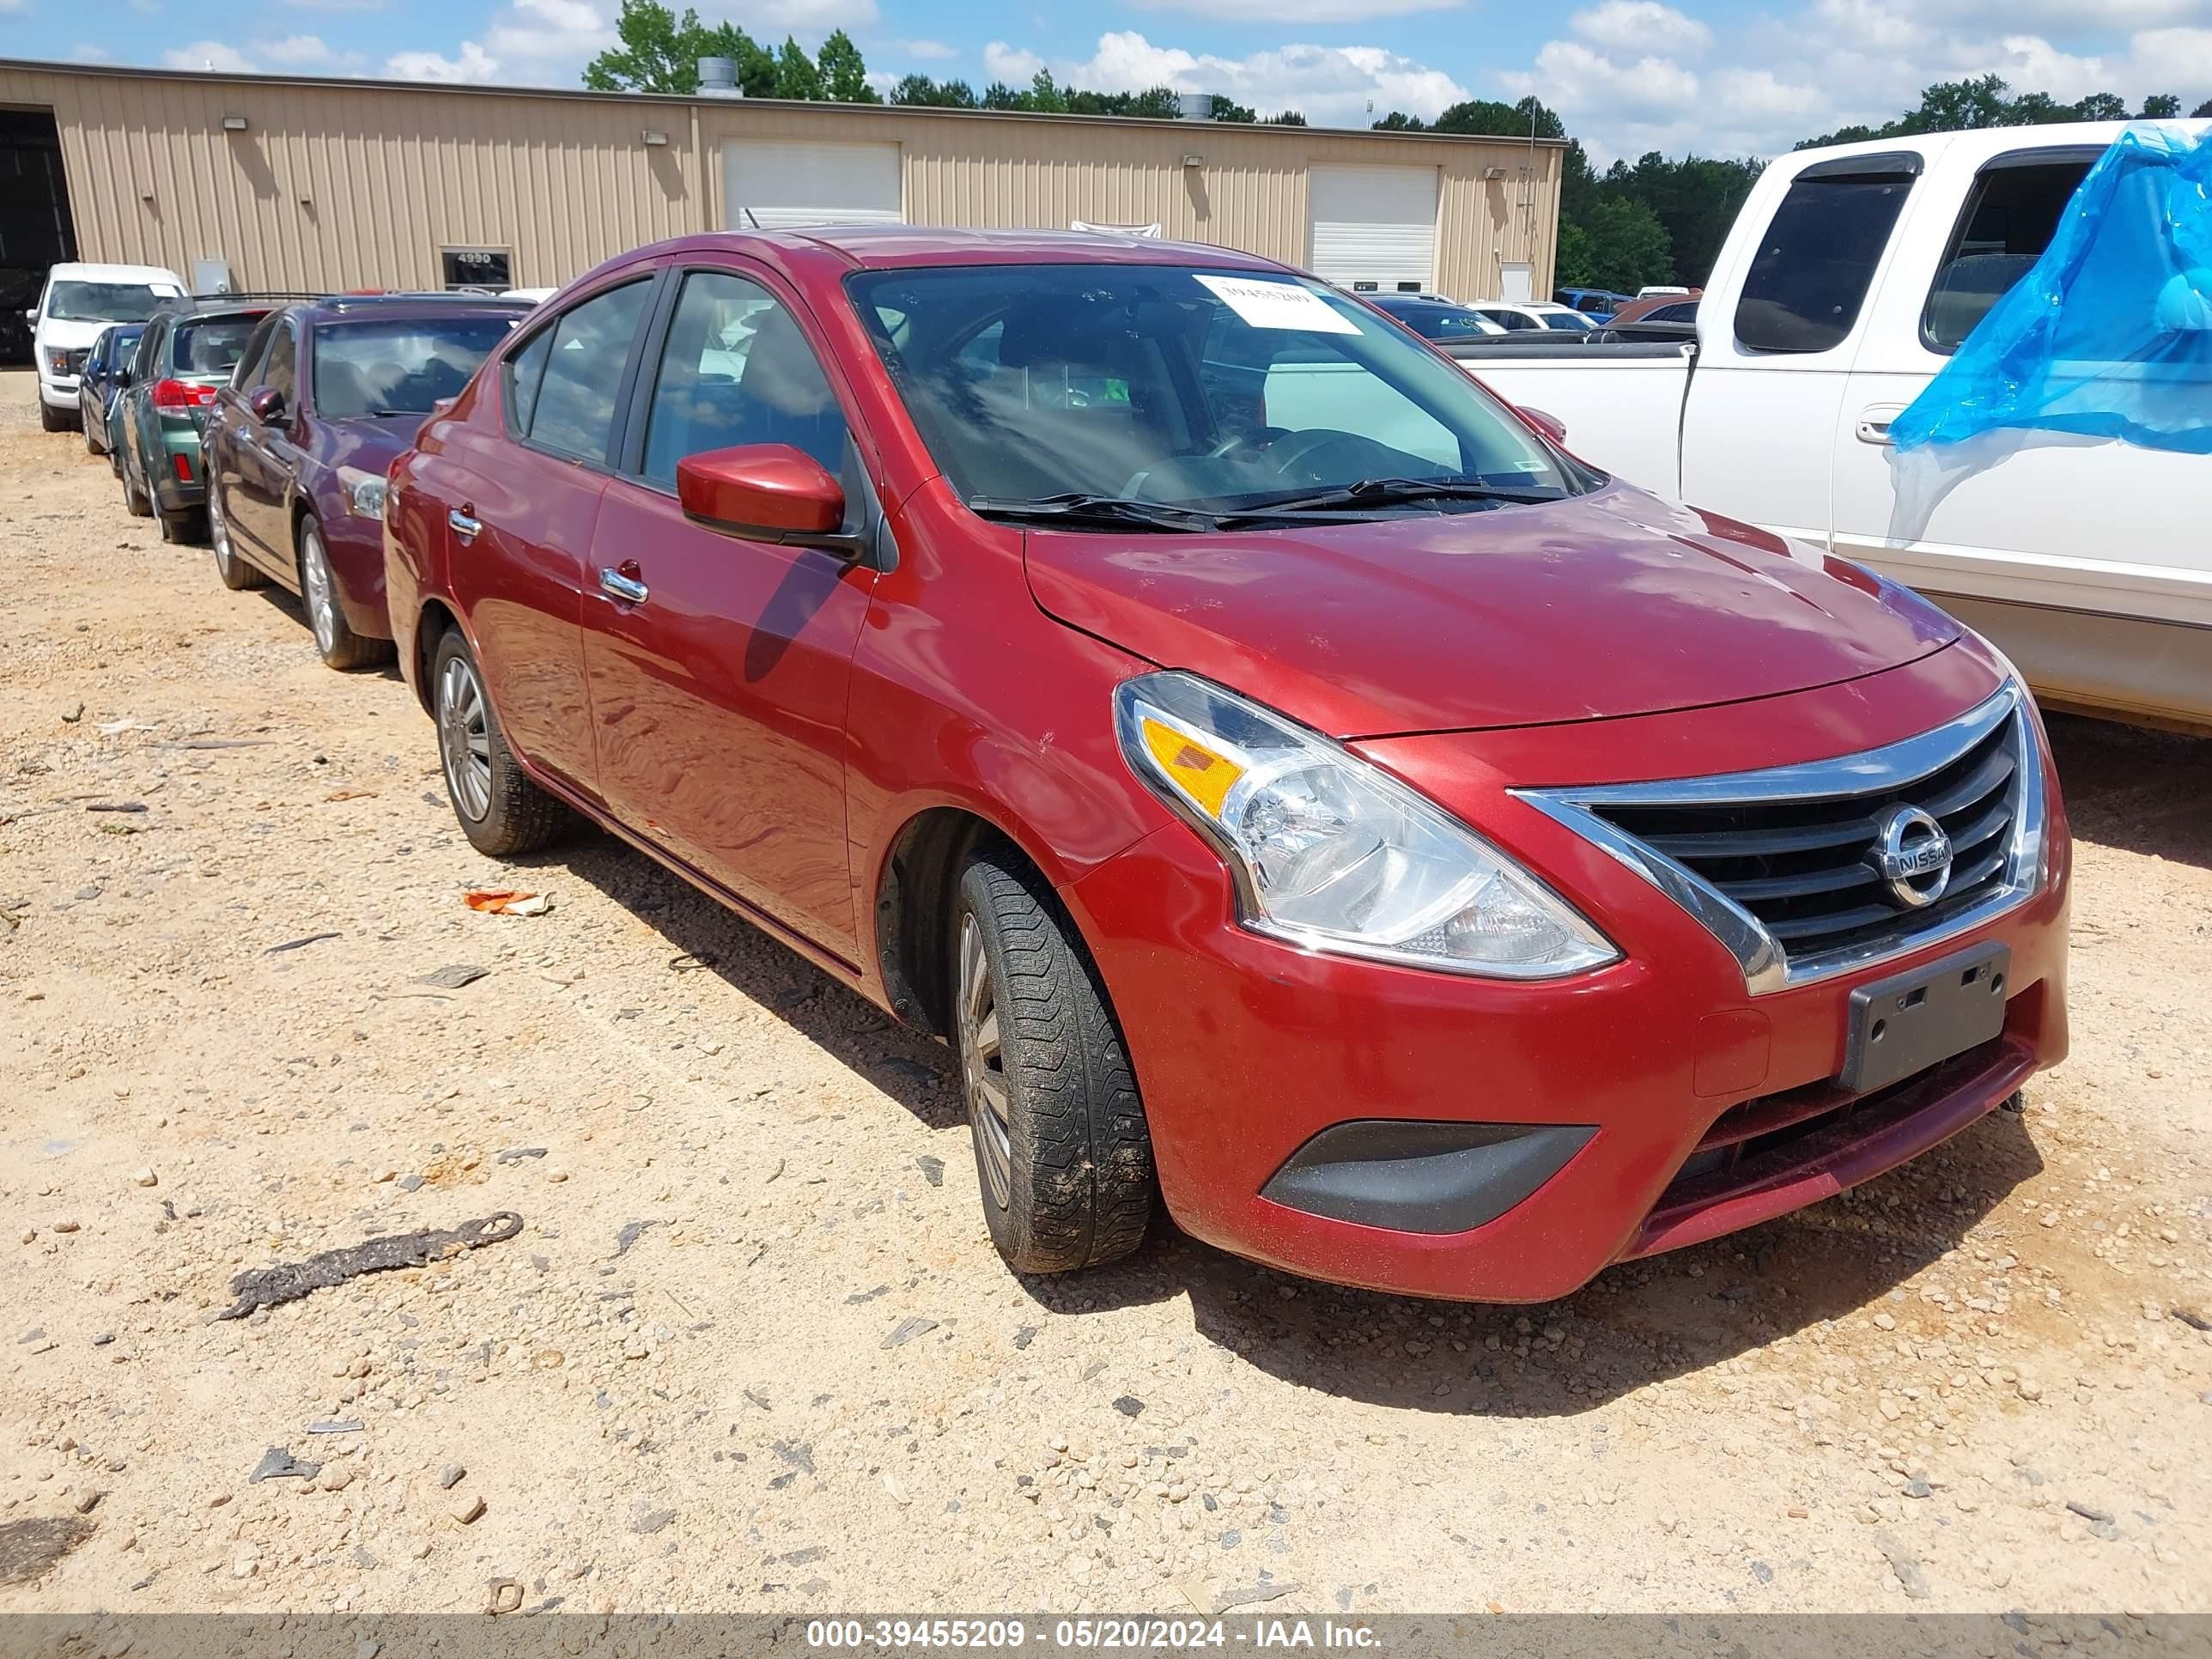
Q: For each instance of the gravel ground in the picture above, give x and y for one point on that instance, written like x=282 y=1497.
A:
x=752 y=1350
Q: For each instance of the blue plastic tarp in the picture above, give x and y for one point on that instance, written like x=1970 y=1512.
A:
x=2109 y=335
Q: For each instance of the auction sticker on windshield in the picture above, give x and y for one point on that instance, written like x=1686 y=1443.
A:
x=1279 y=305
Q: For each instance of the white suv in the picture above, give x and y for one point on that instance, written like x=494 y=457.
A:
x=78 y=302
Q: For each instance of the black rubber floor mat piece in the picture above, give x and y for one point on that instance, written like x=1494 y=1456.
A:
x=287 y=1281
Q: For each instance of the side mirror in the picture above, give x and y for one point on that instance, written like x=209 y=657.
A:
x=1546 y=423
x=764 y=493
x=266 y=404
x=32 y=315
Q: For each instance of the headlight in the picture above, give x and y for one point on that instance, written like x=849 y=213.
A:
x=1331 y=852
x=364 y=490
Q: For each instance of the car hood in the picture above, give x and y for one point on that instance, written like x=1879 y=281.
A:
x=61 y=332
x=1610 y=603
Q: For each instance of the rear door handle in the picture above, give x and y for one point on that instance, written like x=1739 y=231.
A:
x=616 y=585
x=463 y=526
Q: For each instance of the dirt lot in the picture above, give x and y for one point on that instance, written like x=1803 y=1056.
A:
x=752 y=1349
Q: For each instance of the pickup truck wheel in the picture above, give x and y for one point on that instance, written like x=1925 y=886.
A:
x=1062 y=1154
x=237 y=575
x=55 y=420
x=339 y=646
x=501 y=812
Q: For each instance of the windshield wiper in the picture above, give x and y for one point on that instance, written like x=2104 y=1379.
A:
x=1074 y=507
x=1388 y=492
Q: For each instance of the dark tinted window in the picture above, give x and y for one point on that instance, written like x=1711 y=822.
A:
x=281 y=370
x=2008 y=221
x=574 y=408
x=210 y=345
x=524 y=371
x=248 y=374
x=400 y=366
x=736 y=370
x=483 y=270
x=1686 y=312
x=149 y=349
x=1813 y=266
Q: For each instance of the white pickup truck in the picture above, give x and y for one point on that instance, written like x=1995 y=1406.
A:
x=1850 y=275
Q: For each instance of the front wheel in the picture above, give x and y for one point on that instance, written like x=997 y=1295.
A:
x=1062 y=1153
x=339 y=646
x=501 y=812
x=54 y=420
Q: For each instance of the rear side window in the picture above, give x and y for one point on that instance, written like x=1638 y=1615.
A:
x=2009 y=220
x=1817 y=260
x=587 y=349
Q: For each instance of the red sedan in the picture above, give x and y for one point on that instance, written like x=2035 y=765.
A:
x=1304 y=794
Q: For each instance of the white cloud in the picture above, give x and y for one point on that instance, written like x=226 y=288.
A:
x=214 y=55
x=1332 y=86
x=299 y=51
x=1295 y=12
x=89 y=55
x=1628 y=78
x=1641 y=26
x=470 y=64
x=927 y=52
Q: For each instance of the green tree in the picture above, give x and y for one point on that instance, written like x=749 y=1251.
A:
x=844 y=75
x=661 y=52
x=1627 y=245
x=2201 y=111
x=2102 y=106
x=1289 y=118
x=798 y=76
x=1399 y=121
x=2160 y=106
x=1228 y=109
x=935 y=95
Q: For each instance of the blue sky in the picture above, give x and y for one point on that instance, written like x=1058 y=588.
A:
x=1719 y=76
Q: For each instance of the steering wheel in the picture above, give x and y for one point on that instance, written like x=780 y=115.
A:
x=1298 y=447
x=1258 y=438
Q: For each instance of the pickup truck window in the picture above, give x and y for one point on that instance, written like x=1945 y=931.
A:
x=2008 y=220
x=1817 y=260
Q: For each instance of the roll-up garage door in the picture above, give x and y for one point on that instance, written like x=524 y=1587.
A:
x=1373 y=225
x=767 y=185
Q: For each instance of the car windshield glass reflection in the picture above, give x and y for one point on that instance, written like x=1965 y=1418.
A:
x=399 y=366
x=1185 y=387
x=103 y=302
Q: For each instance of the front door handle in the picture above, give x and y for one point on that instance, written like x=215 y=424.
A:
x=624 y=584
x=1874 y=423
x=463 y=526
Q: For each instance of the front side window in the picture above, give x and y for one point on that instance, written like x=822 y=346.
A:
x=399 y=365
x=1817 y=260
x=736 y=369
x=586 y=351
x=103 y=302
x=282 y=372
x=1184 y=388
x=248 y=374
x=149 y=350
x=2008 y=221
x=212 y=345
x=1511 y=321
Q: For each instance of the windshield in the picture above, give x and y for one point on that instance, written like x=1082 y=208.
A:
x=105 y=302
x=400 y=366
x=1185 y=388
x=211 y=347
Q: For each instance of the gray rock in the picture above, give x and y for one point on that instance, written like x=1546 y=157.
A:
x=1916 y=1488
x=408 y=1184
x=933 y=1168
x=278 y=1464
x=800 y=1456
x=454 y=976
x=1903 y=1563
x=644 y=1518
x=907 y=1329
x=1762 y=1572
x=450 y=1476
x=1129 y=1405
x=2102 y=1517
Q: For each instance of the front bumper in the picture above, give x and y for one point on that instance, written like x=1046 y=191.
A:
x=1247 y=1049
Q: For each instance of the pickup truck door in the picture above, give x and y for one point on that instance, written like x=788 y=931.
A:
x=1771 y=370
x=2012 y=526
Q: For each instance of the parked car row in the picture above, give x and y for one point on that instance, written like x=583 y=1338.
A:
x=1302 y=793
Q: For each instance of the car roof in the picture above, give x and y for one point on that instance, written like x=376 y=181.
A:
x=74 y=272
x=1982 y=143
x=343 y=308
x=885 y=248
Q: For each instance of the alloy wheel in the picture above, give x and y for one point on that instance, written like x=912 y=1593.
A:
x=465 y=738
x=320 y=593
x=983 y=1066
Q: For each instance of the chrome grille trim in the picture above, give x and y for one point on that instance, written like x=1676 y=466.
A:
x=1766 y=962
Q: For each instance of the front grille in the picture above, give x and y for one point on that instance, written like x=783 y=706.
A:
x=1806 y=871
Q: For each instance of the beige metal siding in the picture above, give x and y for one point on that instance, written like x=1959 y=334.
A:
x=346 y=184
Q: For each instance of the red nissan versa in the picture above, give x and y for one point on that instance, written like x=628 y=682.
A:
x=1293 y=783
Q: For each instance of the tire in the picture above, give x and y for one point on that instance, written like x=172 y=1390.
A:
x=55 y=420
x=184 y=528
x=235 y=573
x=1063 y=1156
x=501 y=811
x=338 y=646
x=141 y=504
x=92 y=444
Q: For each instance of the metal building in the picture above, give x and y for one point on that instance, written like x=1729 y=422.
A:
x=301 y=183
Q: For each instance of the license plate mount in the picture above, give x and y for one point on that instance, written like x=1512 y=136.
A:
x=1913 y=1020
